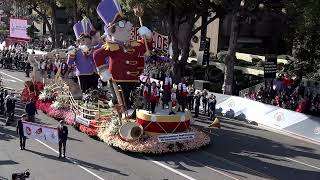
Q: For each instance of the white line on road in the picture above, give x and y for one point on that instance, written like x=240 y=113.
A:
x=170 y=169
x=315 y=167
x=208 y=167
x=74 y=162
x=12 y=77
x=11 y=80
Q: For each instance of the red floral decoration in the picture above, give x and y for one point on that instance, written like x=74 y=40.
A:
x=92 y=130
x=31 y=90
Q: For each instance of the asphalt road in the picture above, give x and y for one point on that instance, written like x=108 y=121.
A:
x=237 y=151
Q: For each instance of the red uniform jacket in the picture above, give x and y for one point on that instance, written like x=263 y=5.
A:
x=167 y=86
x=182 y=90
x=151 y=94
x=124 y=65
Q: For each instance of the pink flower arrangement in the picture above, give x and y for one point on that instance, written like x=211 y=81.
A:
x=152 y=145
x=44 y=106
x=58 y=113
x=69 y=117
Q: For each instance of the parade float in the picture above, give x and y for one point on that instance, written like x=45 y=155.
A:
x=156 y=132
x=122 y=123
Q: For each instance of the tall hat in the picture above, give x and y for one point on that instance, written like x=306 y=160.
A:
x=83 y=28
x=109 y=11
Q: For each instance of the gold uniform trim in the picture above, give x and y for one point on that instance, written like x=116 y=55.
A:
x=111 y=46
x=142 y=114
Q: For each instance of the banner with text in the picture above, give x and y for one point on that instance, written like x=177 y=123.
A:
x=160 y=42
x=18 y=28
x=176 y=137
x=38 y=131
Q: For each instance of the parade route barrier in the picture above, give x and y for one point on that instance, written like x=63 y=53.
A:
x=292 y=122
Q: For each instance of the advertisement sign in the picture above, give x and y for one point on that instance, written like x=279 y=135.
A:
x=18 y=28
x=160 y=41
x=83 y=120
x=176 y=137
x=38 y=131
x=270 y=67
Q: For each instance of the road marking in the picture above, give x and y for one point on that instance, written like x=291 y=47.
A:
x=170 y=169
x=208 y=167
x=11 y=80
x=239 y=166
x=12 y=77
x=74 y=162
x=315 y=167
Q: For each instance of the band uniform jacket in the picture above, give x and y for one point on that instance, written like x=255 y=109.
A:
x=125 y=64
x=167 y=86
x=182 y=90
x=152 y=94
x=84 y=63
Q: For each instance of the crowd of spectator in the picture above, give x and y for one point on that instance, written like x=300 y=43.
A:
x=290 y=94
x=15 y=58
x=157 y=66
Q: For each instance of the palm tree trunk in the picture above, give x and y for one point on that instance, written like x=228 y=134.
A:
x=231 y=56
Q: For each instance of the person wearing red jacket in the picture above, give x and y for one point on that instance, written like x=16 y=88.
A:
x=182 y=94
x=152 y=94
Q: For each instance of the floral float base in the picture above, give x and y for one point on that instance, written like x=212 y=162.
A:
x=92 y=130
x=66 y=114
x=151 y=144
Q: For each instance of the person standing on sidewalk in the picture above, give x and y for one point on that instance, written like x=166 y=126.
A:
x=212 y=106
x=20 y=132
x=63 y=136
x=31 y=110
x=197 y=104
x=204 y=100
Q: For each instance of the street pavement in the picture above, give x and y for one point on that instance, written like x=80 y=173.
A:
x=238 y=151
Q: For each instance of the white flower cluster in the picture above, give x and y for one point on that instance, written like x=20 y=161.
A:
x=113 y=126
x=60 y=102
x=46 y=94
x=57 y=105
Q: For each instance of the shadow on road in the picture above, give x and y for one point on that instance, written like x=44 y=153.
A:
x=243 y=150
x=7 y=134
x=80 y=162
x=7 y=162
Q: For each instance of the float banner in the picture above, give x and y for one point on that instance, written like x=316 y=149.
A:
x=176 y=137
x=18 y=28
x=160 y=42
x=83 y=120
x=144 y=78
x=41 y=132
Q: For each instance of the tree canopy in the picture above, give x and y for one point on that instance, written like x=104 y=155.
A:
x=304 y=35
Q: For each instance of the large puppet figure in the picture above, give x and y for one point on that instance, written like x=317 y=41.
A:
x=126 y=58
x=82 y=57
